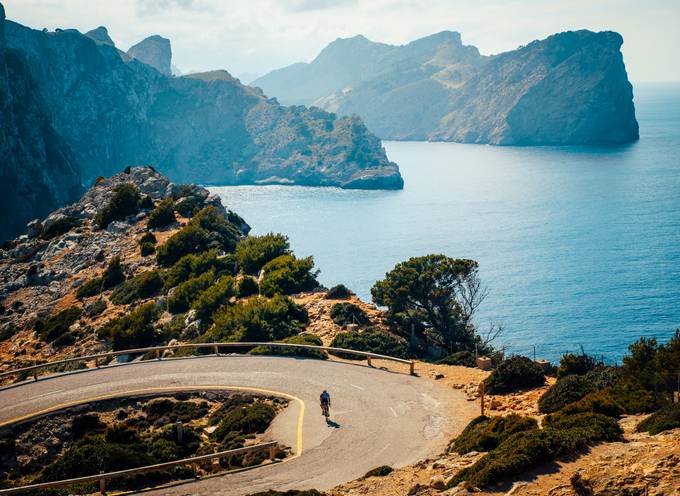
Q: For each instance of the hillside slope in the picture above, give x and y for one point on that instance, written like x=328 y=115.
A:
x=570 y=88
x=113 y=112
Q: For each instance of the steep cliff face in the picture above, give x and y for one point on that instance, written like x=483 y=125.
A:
x=570 y=88
x=154 y=51
x=113 y=110
x=37 y=169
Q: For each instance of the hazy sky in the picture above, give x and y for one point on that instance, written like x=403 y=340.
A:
x=255 y=36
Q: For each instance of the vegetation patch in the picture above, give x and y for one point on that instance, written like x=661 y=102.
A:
x=213 y=298
x=576 y=364
x=185 y=293
x=247 y=286
x=161 y=216
x=665 y=419
x=112 y=276
x=380 y=342
x=348 y=313
x=339 y=292
x=125 y=201
x=464 y=358
x=253 y=252
x=305 y=338
x=288 y=275
x=194 y=265
x=514 y=373
x=134 y=330
x=485 y=434
x=57 y=326
x=145 y=285
x=380 y=471
x=61 y=226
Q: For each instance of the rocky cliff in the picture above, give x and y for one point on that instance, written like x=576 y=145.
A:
x=571 y=88
x=154 y=51
x=38 y=172
x=111 y=110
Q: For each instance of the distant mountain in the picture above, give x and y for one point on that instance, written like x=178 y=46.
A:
x=84 y=105
x=570 y=88
x=38 y=172
x=154 y=51
x=101 y=35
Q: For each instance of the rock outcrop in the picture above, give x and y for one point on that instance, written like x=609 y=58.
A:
x=154 y=51
x=570 y=88
x=100 y=110
x=38 y=172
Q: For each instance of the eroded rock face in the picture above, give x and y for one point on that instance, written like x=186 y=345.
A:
x=154 y=51
x=570 y=88
x=38 y=171
x=205 y=128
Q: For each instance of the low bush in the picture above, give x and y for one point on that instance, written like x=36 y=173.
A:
x=146 y=249
x=665 y=419
x=188 y=240
x=304 y=338
x=223 y=231
x=339 y=292
x=148 y=237
x=212 y=298
x=111 y=277
x=145 y=285
x=194 y=265
x=633 y=398
x=258 y=319
x=348 y=313
x=485 y=434
x=58 y=325
x=528 y=449
x=381 y=471
x=253 y=252
x=514 y=373
x=602 y=402
x=247 y=286
x=121 y=434
x=188 y=206
x=576 y=364
x=125 y=201
x=95 y=308
x=59 y=227
x=86 y=423
x=380 y=342
x=464 y=358
x=164 y=411
x=161 y=216
x=288 y=275
x=134 y=330
x=248 y=419
x=91 y=288
x=146 y=202
x=565 y=391
x=185 y=293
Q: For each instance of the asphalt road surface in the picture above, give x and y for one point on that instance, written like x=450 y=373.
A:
x=380 y=417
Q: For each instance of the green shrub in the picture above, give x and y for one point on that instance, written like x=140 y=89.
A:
x=379 y=342
x=95 y=308
x=125 y=201
x=288 y=275
x=253 y=252
x=194 y=265
x=113 y=275
x=348 y=313
x=189 y=239
x=145 y=285
x=339 y=292
x=565 y=391
x=8 y=331
x=146 y=202
x=602 y=402
x=528 y=449
x=514 y=373
x=146 y=249
x=485 y=434
x=121 y=434
x=134 y=330
x=380 y=471
x=303 y=338
x=148 y=237
x=258 y=319
x=665 y=419
x=57 y=325
x=464 y=358
x=59 y=227
x=633 y=398
x=576 y=364
x=248 y=419
x=223 y=231
x=188 y=206
x=91 y=288
x=185 y=293
x=86 y=423
x=161 y=216
x=247 y=286
x=212 y=298
x=163 y=411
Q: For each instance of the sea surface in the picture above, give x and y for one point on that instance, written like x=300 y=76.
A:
x=578 y=246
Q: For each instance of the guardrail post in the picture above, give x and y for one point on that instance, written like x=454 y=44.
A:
x=368 y=360
x=158 y=354
x=413 y=368
x=272 y=453
x=35 y=375
x=102 y=485
x=216 y=350
x=194 y=467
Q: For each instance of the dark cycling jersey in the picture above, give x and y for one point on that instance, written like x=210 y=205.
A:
x=325 y=398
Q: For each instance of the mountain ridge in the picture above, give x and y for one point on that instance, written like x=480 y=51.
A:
x=570 y=88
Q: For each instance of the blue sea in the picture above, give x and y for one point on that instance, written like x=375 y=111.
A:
x=578 y=246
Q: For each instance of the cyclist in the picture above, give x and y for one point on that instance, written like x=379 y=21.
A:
x=325 y=400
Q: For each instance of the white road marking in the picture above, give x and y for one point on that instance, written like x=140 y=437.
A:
x=383 y=449
x=358 y=387
x=393 y=412
x=31 y=399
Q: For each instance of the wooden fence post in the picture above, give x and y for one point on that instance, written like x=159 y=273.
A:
x=102 y=485
x=482 y=390
x=412 y=370
x=368 y=359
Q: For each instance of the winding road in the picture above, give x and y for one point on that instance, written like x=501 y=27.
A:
x=382 y=417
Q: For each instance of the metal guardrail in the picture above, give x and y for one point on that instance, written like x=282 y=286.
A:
x=158 y=350
x=271 y=447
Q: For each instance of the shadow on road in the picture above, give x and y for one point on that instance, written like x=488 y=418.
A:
x=332 y=424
